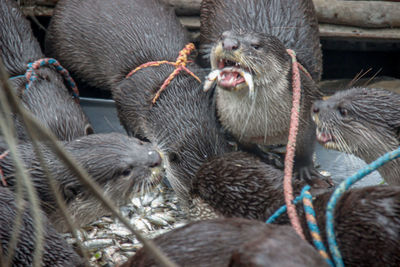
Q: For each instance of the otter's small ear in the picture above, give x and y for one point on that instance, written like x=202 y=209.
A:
x=88 y=129
x=70 y=192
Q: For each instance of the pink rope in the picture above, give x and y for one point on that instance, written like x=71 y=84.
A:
x=291 y=146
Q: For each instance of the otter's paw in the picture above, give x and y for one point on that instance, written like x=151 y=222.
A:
x=314 y=178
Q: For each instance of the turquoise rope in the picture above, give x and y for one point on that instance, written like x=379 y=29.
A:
x=312 y=226
x=31 y=76
x=16 y=77
x=283 y=208
x=337 y=257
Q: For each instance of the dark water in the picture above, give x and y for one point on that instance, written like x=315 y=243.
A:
x=103 y=116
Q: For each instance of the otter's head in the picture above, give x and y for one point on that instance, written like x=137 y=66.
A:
x=122 y=166
x=360 y=121
x=252 y=75
x=241 y=62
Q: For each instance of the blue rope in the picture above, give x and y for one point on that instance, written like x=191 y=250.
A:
x=31 y=75
x=16 y=77
x=337 y=257
x=283 y=208
x=313 y=227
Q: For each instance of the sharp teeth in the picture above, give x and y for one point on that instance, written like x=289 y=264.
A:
x=248 y=78
x=210 y=78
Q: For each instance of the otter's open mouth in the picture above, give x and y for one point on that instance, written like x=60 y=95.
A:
x=230 y=75
x=326 y=138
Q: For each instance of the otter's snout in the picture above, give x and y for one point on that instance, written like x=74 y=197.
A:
x=228 y=42
x=155 y=159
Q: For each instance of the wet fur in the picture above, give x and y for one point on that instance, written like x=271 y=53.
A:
x=182 y=123
x=293 y=23
x=121 y=165
x=367 y=220
x=56 y=250
x=47 y=98
x=212 y=243
x=370 y=129
x=275 y=25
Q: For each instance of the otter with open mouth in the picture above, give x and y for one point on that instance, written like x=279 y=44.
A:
x=246 y=45
x=364 y=122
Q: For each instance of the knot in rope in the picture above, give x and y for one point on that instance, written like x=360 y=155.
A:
x=179 y=64
x=32 y=76
x=339 y=191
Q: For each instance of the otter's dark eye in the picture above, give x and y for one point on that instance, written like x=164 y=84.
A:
x=173 y=157
x=255 y=46
x=343 y=111
x=126 y=172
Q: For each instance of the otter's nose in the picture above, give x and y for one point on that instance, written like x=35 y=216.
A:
x=230 y=43
x=155 y=159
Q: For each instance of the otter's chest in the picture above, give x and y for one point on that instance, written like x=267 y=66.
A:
x=261 y=120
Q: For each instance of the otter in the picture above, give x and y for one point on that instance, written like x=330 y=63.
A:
x=121 y=166
x=215 y=242
x=181 y=123
x=47 y=98
x=367 y=220
x=364 y=122
x=56 y=251
x=246 y=43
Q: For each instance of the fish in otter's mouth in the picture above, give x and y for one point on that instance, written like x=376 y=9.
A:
x=230 y=75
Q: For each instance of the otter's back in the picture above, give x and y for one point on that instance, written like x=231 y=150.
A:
x=126 y=37
x=18 y=47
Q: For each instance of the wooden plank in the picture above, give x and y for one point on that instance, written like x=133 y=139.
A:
x=186 y=7
x=366 y=14
x=326 y=30
x=337 y=31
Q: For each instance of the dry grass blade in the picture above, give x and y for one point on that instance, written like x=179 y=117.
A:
x=8 y=130
x=81 y=173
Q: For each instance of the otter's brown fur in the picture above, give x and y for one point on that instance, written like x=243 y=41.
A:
x=47 y=98
x=212 y=243
x=56 y=251
x=121 y=165
x=367 y=220
x=364 y=122
x=127 y=34
x=249 y=40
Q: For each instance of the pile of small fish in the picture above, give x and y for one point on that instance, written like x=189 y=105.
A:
x=109 y=242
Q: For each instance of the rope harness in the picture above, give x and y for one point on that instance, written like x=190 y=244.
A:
x=32 y=76
x=179 y=64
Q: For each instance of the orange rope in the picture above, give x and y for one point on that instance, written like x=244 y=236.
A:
x=291 y=145
x=179 y=64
